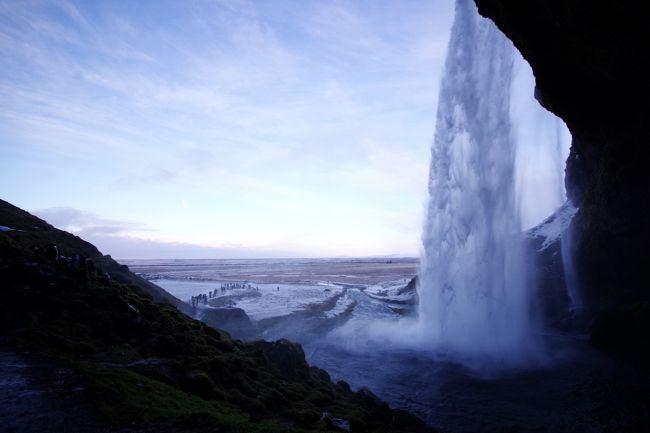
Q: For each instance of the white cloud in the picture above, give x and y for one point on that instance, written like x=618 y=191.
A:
x=86 y=223
x=278 y=123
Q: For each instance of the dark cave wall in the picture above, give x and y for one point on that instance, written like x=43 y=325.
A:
x=589 y=59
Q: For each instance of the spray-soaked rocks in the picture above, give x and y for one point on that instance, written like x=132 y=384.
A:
x=233 y=320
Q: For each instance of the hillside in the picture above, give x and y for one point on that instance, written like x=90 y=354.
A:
x=140 y=364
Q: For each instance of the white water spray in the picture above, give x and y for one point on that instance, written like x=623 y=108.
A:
x=473 y=292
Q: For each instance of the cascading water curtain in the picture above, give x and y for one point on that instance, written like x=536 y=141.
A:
x=474 y=293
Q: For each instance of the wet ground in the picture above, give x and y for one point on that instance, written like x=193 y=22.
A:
x=572 y=388
x=36 y=396
x=584 y=392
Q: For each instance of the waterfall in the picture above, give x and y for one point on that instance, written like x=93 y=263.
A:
x=566 y=249
x=474 y=301
x=542 y=142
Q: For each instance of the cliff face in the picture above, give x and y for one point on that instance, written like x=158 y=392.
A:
x=589 y=59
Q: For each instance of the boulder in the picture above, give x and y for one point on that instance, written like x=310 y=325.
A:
x=234 y=320
x=410 y=288
x=284 y=356
x=336 y=424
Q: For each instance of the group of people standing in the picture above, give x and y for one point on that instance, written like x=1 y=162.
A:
x=203 y=298
x=52 y=254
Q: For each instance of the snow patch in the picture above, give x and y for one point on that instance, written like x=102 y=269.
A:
x=551 y=228
x=342 y=304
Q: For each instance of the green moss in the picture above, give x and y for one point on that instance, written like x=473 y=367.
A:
x=199 y=384
x=127 y=398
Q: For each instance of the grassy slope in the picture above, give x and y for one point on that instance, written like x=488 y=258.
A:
x=33 y=231
x=148 y=365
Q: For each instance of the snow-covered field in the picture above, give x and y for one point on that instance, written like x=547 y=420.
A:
x=282 y=287
x=271 y=299
x=362 y=272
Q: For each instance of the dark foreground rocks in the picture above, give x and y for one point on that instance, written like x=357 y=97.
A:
x=625 y=332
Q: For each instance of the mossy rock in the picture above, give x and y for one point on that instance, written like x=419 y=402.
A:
x=199 y=384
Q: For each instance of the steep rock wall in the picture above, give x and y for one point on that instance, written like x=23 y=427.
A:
x=589 y=59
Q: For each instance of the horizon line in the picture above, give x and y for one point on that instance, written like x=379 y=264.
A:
x=388 y=257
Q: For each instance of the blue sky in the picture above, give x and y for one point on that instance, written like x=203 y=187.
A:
x=257 y=128
x=159 y=129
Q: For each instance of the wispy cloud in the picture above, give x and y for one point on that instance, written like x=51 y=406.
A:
x=138 y=248
x=291 y=116
x=86 y=223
